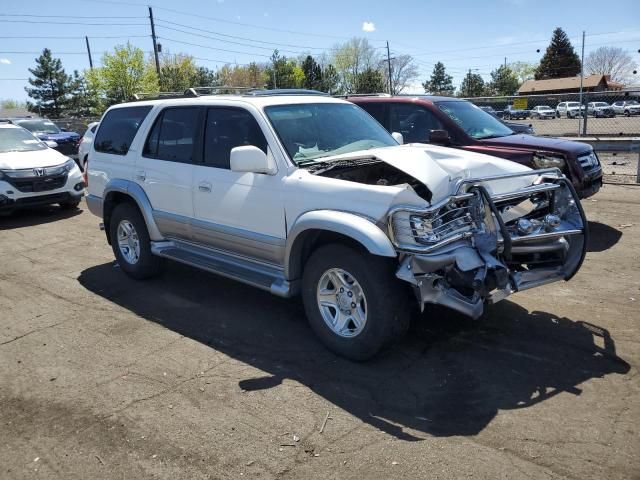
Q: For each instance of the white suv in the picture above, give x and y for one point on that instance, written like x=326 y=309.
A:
x=32 y=173
x=308 y=194
x=627 y=108
x=569 y=109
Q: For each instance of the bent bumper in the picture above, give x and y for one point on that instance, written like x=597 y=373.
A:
x=487 y=268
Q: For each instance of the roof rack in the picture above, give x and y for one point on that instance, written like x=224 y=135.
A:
x=363 y=95
x=284 y=91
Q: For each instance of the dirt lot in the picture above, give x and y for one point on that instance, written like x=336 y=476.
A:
x=190 y=376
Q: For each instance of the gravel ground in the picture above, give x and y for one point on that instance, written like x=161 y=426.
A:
x=559 y=127
x=189 y=376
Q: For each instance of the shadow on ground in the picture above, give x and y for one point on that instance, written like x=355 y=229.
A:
x=450 y=376
x=29 y=217
x=602 y=237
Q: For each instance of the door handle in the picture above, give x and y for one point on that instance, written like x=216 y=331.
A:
x=141 y=175
x=204 y=187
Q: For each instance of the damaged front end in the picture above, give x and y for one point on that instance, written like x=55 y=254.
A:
x=478 y=247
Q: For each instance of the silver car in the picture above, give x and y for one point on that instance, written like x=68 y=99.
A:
x=543 y=111
x=626 y=108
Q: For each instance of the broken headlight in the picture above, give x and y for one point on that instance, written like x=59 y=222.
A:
x=548 y=160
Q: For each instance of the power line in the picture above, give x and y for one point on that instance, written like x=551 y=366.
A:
x=238 y=37
x=72 y=23
x=59 y=16
x=214 y=48
x=54 y=37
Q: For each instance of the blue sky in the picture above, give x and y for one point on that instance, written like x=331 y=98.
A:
x=463 y=34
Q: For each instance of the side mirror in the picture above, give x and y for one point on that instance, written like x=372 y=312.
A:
x=397 y=136
x=64 y=129
x=50 y=143
x=250 y=159
x=440 y=137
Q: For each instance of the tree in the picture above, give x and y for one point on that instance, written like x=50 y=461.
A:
x=177 y=73
x=560 y=60
x=612 y=61
x=83 y=101
x=403 y=71
x=472 y=86
x=312 y=73
x=205 y=77
x=10 y=104
x=330 y=79
x=523 y=70
x=50 y=86
x=124 y=73
x=249 y=76
x=352 y=58
x=283 y=73
x=369 y=81
x=440 y=82
x=503 y=81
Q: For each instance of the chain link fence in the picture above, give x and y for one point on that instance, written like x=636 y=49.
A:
x=610 y=114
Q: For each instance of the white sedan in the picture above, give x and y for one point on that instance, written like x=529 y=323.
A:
x=85 y=145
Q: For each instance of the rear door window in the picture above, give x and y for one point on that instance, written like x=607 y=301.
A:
x=377 y=110
x=118 y=129
x=414 y=122
x=174 y=135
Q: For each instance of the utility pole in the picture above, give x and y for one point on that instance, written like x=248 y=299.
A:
x=580 y=111
x=86 y=39
x=389 y=63
x=155 y=43
x=468 y=83
x=505 y=62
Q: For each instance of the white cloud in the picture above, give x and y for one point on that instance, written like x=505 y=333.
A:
x=5 y=61
x=368 y=27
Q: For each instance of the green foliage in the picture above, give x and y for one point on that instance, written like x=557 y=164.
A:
x=284 y=73
x=10 y=104
x=177 y=73
x=205 y=77
x=560 y=60
x=123 y=74
x=50 y=86
x=523 y=70
x=312 y=73
x=352 y=58
x=330 y=79
x=369 y=81
x=83 y=101
x=472 y=86
x=440 y=82
x=503 y=81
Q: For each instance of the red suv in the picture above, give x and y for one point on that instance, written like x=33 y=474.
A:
x=460 y=124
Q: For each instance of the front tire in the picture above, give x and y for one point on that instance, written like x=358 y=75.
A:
x=353 y=301
x=131 y=243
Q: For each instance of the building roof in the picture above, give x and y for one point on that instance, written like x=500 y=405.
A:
x=568 y=83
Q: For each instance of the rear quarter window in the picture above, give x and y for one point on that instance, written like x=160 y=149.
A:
x=118 y=129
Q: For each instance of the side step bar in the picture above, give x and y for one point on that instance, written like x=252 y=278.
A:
x=246 y=271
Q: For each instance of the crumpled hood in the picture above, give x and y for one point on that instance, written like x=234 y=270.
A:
x=439 y=168
x=560 y=145
x=36 y=159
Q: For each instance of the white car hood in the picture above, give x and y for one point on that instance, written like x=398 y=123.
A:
x=439 y=168
x=35 y=159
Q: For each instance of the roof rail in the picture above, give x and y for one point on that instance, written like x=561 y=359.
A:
x=192 y=92
x=363 y=95
x=284 y=91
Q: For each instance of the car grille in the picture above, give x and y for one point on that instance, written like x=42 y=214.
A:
x=38 y=183
x=588 y=161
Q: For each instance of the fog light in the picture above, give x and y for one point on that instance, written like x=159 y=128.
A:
x=525 y=227
x=79 y=186
x=551 y=221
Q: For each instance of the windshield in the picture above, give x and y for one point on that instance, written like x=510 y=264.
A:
x=544 y=107
x=633 y=102
x=38 y=126
x=475 y=122
x=311 y=131
x=18 y=140
x=573 y=104
x=600 y=104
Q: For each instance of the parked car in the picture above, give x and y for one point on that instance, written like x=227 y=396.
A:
x=32 y=173
x=85 y=144
x=626 y=108
x=600 y=109
x=569 y=109
x=458 y=123
x=516 y=127
x=512 y=113
x=308 y=194
x=543 y=111
x=46 y=130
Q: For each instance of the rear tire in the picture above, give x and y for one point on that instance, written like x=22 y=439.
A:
x=131 y=243
x=371 y=312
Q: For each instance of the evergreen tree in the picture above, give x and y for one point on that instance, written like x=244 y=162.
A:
x=330 y=79
x=472 y=86
x=503 y=81
x=284 y=73
x=50 y=86
x=369 y=81
x=560 y=60
x=83 y=100
x=312 y=73
x=440 y=82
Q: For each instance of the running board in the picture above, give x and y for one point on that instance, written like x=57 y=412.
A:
x=252 y=273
